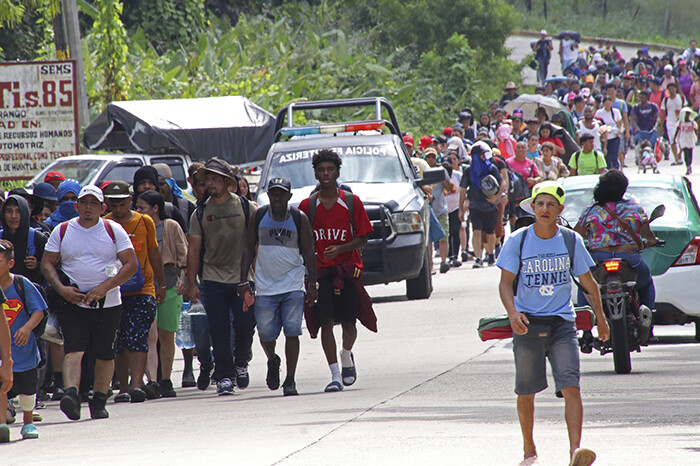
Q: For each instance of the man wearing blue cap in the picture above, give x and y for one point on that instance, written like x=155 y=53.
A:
x=536 y=263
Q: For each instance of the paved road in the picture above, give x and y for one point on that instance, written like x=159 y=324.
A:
x=520 y=48
x=429 y=392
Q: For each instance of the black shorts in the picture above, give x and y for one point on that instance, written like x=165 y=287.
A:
x=24 y=383
x=484 y=221
x=341 y=306
x=90 y=329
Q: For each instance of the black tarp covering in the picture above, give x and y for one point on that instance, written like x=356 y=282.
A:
x=232 y=128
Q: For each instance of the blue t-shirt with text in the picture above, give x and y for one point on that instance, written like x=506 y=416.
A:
x=544 y=286
x=17 y=313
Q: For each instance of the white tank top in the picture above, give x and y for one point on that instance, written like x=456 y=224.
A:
x=279 y=267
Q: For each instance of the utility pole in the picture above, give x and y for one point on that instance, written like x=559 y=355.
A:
x=69 y=11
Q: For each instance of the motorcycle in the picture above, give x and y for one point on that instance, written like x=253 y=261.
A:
x=630 y=322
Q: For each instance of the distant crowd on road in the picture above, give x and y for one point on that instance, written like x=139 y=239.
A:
x=581 y=123
x=92 y=281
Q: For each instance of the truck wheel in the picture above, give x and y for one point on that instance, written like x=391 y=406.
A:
x=421 y=286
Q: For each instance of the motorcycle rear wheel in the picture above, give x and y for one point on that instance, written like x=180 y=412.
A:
x=619 y=339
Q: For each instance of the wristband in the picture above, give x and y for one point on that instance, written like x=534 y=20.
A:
x=243 y=284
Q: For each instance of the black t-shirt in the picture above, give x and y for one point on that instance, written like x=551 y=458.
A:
x=477 y=200
x=542 y=51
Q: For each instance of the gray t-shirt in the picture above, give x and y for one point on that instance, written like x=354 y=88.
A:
x=224 y=239
x=439 y=202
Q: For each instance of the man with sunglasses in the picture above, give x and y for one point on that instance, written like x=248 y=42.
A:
x=90 y=316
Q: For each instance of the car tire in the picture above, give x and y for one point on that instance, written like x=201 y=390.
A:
x=422 y=286
x=697 y=330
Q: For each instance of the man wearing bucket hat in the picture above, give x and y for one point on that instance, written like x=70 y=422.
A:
x=535 y=287
x=218 y=226
x=510 y=94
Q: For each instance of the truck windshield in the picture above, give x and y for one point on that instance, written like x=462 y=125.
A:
x=361 y=164
x=81 y=170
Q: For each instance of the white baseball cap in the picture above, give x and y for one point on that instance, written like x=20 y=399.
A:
x=543 y=32
x=91 y=190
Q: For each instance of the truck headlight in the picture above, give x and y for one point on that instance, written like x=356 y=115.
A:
x=407 y=222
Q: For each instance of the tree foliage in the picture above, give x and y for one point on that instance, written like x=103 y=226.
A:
x=108 y=80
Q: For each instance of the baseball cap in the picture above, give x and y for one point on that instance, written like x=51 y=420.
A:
x=668 y=68
x=430 y=151
x=518 y=112
x=91 y=190
x=45 y=191
x=408 y=140
x=116 y=190
x=447 y=131
x=543 y=31
x=54 y=175
x=425 y=141
x=281 y=183
x=163 y=170
x=552 y=188
x=681 y=63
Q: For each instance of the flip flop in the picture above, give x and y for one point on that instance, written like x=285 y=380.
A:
x=349 y=374
x=334 y=386
x=582 y=457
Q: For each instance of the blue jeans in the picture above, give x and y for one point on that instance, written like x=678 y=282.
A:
x=645 y=284
x=281 y=311
x=226 y=321
x=613 y=146
x=542 y=65
x=650 y=136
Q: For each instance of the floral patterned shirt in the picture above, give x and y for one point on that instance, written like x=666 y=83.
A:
x=603 y=230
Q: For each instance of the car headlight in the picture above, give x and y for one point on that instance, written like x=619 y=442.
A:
x=407 y=222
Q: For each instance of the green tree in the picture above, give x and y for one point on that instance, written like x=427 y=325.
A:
x=109 y=56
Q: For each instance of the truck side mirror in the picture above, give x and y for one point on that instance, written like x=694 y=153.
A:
x=432 y=176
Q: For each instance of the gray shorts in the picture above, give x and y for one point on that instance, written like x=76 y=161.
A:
x=550 y=338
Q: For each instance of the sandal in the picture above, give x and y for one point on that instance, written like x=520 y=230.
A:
x=334 y=386
x=582 y=457
x=349 y=374
x=122 y=397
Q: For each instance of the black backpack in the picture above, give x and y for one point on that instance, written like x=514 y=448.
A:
x=19 y=286
x=296 y=216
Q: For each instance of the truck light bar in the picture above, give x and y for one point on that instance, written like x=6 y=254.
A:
x=333 y=128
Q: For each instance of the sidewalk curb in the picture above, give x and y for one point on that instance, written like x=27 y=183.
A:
x=628 y=43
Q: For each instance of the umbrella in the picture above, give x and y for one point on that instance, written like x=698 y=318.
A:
x=572 y=34
x=529 y=103
x=556 y=79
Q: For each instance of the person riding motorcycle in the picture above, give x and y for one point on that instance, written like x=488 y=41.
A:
x=613 y=226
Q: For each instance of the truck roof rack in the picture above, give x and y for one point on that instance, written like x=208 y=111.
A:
x=379 y=103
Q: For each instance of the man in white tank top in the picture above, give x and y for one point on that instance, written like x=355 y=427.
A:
x=282 y=234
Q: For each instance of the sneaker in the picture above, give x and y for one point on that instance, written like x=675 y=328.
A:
x=97 y=406
x=455 y=263
x=444 y=267
x=204 y=378
x=11 y=413
x=188 y=380
x=478 y=263
x=225 y=387
x=36 y=417
x=166 y=389
x=152 y=390
x=122 y=397
x=70 y=404
x=465 y=256
x=490 y=259
x=57 y=394
x=137 y=395
x=42 y=395
x=289 y=387
x=29 y=431
x=273 y=373
x=4 y=433
x=242 y=377
x=689 y=171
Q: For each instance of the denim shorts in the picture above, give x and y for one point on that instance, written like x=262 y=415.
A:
x=550 y=338
x=273 y=313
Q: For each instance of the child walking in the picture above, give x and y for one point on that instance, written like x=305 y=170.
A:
x=23 y=313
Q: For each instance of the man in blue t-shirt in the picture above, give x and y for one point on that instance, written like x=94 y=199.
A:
x=23 y=313
x=542 y=315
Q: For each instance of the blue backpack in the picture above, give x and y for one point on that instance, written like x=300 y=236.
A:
x=31 y=248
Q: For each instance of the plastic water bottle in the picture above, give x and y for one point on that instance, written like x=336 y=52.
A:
x=184 y=337
x=196 y=309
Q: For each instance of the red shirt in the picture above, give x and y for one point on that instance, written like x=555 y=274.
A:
x=556 y=141
x=333 y=227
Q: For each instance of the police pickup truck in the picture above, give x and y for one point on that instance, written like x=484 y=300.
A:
x=378 y=169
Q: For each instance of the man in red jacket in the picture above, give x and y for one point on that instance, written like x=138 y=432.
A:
x=341 y=227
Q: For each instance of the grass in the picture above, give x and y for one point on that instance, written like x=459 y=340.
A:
x=634 y=20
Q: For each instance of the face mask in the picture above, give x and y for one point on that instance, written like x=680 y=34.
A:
x=67 y=209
